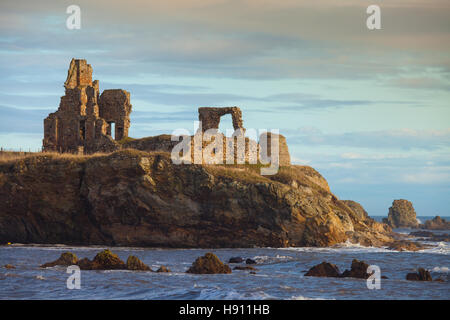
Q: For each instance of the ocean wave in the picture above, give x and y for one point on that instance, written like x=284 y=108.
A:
x=207 y=294
x=307 y=298
x=441 y=269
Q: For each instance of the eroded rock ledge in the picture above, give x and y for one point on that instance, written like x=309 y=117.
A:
x=134 y=198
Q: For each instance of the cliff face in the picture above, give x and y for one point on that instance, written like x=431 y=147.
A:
x=134 y=198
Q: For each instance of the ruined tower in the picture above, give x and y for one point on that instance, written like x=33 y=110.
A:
x=83 y=121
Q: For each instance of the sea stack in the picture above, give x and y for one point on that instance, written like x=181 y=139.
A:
x=401 y=215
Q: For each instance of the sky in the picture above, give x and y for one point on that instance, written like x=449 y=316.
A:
x=368 y=109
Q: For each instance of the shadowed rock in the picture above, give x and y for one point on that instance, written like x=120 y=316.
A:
x=250 y=261
x=66 y=259
x=209 y=264
x=324 y=269
x=244 y=268
x=133 y=263
x=421 y=275
x=236 y=260
x=358 y=270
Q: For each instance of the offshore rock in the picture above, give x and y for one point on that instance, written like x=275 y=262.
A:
x=358 y=270
x=401 y=215
x=66 y=259
x=133 y=263
x=421 y=275
x=208 y=264
x=437 y=223
x=324 y=269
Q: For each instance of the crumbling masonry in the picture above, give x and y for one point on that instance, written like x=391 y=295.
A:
x=83 y=121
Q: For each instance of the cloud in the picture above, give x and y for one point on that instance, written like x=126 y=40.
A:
x=400 y=139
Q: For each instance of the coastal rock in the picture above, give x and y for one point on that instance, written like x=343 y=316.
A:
x=106 y=260
x=437 y=223
x=163 y=269
x=9 y=266
x=401 y=215
x=236 y=260
x=358 y=270
x=324 y=269
x=405 y=245
x=244 y=268
x=422 y=234
x=136 y=198
x=208 y=264
x=66 y=259
x=133 y=263
x=357 y=209
x=250 y=261
x=421 y=275
x=85 y=264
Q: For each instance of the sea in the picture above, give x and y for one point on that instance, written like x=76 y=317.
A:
x=279 y=274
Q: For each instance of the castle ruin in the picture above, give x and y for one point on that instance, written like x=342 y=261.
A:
x=85 y=120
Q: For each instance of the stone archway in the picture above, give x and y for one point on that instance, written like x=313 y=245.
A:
x=210 y=117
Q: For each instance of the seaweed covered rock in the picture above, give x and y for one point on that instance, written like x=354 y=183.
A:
x=106 y=260
x=9 y=266
x=208 y=264
x=133 y=263
x=421 y=275
x=358 y=270
x=324 y=269
x=66 y=259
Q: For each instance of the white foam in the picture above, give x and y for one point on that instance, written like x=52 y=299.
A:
x=441 y=269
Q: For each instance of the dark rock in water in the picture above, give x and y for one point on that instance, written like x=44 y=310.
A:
x=357 y=270
x=384 y=277
x=421 y=275
x=421 y=234
x=236 y=260
x=85 y=264
x=133 y=263
x=66 y=259
x=250 y=261
x=9 y=266
x=163 y=269
x=208 y=264
x=437 y=223
x=324 y=269
x=401 y=215
x=244 y=268
x=405 y=245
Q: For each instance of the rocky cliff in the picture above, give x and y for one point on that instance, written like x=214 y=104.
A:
x=135 y=198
